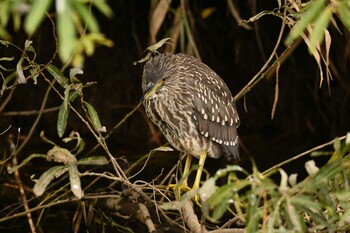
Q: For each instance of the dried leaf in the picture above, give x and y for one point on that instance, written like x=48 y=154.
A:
x=284 y=181
x=163 y=148
x=60 y=155
x=311 y=167
x=157 y=18
x=21 y=79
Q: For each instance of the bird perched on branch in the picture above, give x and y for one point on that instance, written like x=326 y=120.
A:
x=192 y=106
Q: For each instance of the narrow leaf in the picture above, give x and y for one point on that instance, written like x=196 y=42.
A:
x=63 y=114
x=66 y=30
x=36 y=15
x=74 y=179
x=93 y=160
x=25 y=161
x=46 y=178
x=305 y=19
x=103 y=7
x=58 y=75
x=293 y=216
x=19 y=71
x=321 y=23
x=343 y=10
x=95 y=120
x=87 y=16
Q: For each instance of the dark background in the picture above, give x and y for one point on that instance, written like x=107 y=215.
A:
x=306 y=115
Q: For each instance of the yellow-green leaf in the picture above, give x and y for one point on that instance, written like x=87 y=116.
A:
x=320 y=24
x=36 y=15
x=66 y=30
x=306 y=18
x=87 y=16
x=103 y=7
x=343 y=10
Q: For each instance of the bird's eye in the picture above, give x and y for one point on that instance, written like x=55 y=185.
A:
x=163 y=79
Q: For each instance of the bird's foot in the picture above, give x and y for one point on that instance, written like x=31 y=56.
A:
x=180 y=189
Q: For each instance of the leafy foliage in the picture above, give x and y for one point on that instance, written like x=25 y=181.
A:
x=257 y=202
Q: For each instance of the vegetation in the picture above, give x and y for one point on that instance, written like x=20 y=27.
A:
x=64 y=170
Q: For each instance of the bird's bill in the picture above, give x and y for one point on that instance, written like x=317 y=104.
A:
x=151 y=88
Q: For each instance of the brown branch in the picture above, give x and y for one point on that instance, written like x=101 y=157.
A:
x=30 y=112
x=20 y=186
x=191 y=218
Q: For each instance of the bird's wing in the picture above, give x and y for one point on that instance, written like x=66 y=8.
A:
x=214 y=110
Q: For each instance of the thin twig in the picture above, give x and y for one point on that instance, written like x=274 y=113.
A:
x=260 y=75
x=302 y=154
x=20 y=186
x=30 y=112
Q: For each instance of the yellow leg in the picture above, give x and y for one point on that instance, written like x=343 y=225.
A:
x=197 y=181
x=185 y=173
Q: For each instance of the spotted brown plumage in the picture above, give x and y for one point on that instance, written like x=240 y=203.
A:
x=191 y=105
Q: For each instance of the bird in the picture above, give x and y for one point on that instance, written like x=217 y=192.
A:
x=193 y=108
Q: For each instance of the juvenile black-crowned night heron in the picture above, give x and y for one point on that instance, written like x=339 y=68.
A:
x=192 y=106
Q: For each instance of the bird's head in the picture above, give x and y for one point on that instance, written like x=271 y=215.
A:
x=156 y=73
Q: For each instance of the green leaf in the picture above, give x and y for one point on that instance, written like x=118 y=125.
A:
x=337 y=144
x=66 y=30
x=293 y=216
x=95 y=120
x=25 y=161
x=74 y=180
x=306 y=18
x=208 y=189
x=324 y=174
x=46 y=178
x=63 y=114
x=58 y=75
x=36 y=15
x=306 y=202
x=93 y=160
x=4 y=34
x=219 y=201
x=320 y=24
x=87 y=16
x=343 y=10
x=103 y=7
